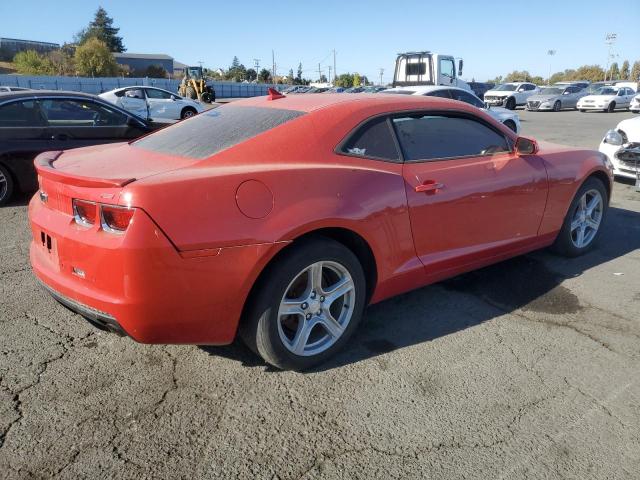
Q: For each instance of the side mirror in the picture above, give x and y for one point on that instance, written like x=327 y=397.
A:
x=566 y=93
x=460 y=64
x=487 y=105
x=526 y=146
x=174 y=98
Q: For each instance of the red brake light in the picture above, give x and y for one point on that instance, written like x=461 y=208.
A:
x=116 y=219
x=84 y=213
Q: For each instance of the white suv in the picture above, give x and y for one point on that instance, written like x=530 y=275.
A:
x=510 y=95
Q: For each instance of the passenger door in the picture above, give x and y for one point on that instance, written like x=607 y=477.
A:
x=162 y=105
x=22 y=137
x=134 y=101
x=78 y=122
x=470 y=197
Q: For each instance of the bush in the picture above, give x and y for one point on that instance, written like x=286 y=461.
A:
x=94 y=59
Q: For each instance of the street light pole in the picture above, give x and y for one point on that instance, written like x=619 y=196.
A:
x=609 y=40
x=551 y=53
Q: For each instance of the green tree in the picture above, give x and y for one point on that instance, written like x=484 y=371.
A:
x=298 y=79
x=635 y=72
x=624 y=72
x=102 y=28
x=592 y=73
x=30 y=62
x=94 y=59
x=62 y=60
x=614 y=71
x=345 y=80
x=290 y=77
x=265 y=76
x=518 y=76
x=153 y=71
x=235 y=63
x=237 y=71
x=251 y=75
x=357 y=80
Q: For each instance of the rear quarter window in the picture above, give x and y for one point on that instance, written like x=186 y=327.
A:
x=215 y=130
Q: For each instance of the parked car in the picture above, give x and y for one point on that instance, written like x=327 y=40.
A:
x=480 y=88
x=347 y=203
x=35 y=121
x=502 y=115
x=607 y=99
x=153 y=103
x=511 y=95
x=13 y=89
x=575 y=83
x=556 y=98
x=627 y=131
x=634 y=106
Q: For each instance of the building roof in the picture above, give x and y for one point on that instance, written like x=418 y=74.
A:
x=5 y=39
x=147 y=56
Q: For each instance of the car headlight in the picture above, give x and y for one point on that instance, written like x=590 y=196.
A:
x=613 y=137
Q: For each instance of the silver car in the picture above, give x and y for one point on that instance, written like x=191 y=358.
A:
x=556 y=98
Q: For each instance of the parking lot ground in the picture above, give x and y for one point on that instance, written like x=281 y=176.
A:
x=524 y=370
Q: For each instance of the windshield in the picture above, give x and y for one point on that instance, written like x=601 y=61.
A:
x=551 y=91
x=215 y=130
x=509 y=87
x=606 y=91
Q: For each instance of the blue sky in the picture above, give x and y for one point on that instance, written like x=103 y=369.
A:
x=493 y=37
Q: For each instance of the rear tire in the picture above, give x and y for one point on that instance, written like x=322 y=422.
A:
x=300 y=340
x=611 y=107
x=582 y=110
x=6 y=185
x=511 y=103
x=583 y=224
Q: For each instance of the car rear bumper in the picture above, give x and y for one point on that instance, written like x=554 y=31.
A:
x=138 y=284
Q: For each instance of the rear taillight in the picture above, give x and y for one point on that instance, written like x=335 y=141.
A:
x=112 y=218
x=84 y=213
x=115 y=219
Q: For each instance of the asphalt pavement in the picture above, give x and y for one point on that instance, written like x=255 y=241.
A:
x=523 y=370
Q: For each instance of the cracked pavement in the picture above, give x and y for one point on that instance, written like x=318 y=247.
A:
x=523 y=370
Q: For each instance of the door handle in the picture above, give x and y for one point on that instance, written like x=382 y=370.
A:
x=429 y=186
x=60 y=136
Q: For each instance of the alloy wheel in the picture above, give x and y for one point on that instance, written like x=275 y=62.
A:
x=316 y=308
x=587 y=218
x=3 y=185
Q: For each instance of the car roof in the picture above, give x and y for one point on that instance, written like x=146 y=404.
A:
x=428 y=88
x=43 y=93
x=316 y=101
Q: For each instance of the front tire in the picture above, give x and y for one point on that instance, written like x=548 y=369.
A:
x=511 y=103
x=611 y=107
x=306 y=306
x=583 y=224
x=6 y=185
x=557 y=106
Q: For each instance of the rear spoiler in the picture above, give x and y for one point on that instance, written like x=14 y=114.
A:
x=44 y=167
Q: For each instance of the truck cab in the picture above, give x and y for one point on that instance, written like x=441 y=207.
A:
x=426 y=68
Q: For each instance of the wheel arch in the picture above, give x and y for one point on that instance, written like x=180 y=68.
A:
x=187 y=108
x=604 y=178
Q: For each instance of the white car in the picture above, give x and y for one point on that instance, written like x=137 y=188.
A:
x=502 y=115
x=153 y=103
x=607 y=99
x=510 y=95
x=634 y=106
x=13 y=89
x=627 y=131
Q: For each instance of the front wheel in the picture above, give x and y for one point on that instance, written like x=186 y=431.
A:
x=511 y=103
x=611 y=107
x=583 y=223
x=557 y=106
x=306 y=306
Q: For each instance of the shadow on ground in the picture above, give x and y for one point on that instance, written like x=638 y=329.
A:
x=530 y=282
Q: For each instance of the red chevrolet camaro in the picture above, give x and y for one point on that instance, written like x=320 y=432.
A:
x=281 y=218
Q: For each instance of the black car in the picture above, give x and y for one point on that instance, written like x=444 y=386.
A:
x=35 y=121
x=479 y=88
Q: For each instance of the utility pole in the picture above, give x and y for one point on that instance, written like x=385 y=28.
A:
x=335 y=72
x=330 y=76
x=610 y=41
x=273 y=67
x=319 y=74
x=551 y=53
x=381 y=73
x=256 y=62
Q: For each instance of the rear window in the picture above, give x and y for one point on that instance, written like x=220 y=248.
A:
x=215 y=130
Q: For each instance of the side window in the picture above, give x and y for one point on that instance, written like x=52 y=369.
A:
x=153 y=93
x=21 y=114
x=444 y=93
x=80 y=113
x=134 y=93
x=446 y=67
x=374 y=139
x=432 y=137
x=466 y=97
